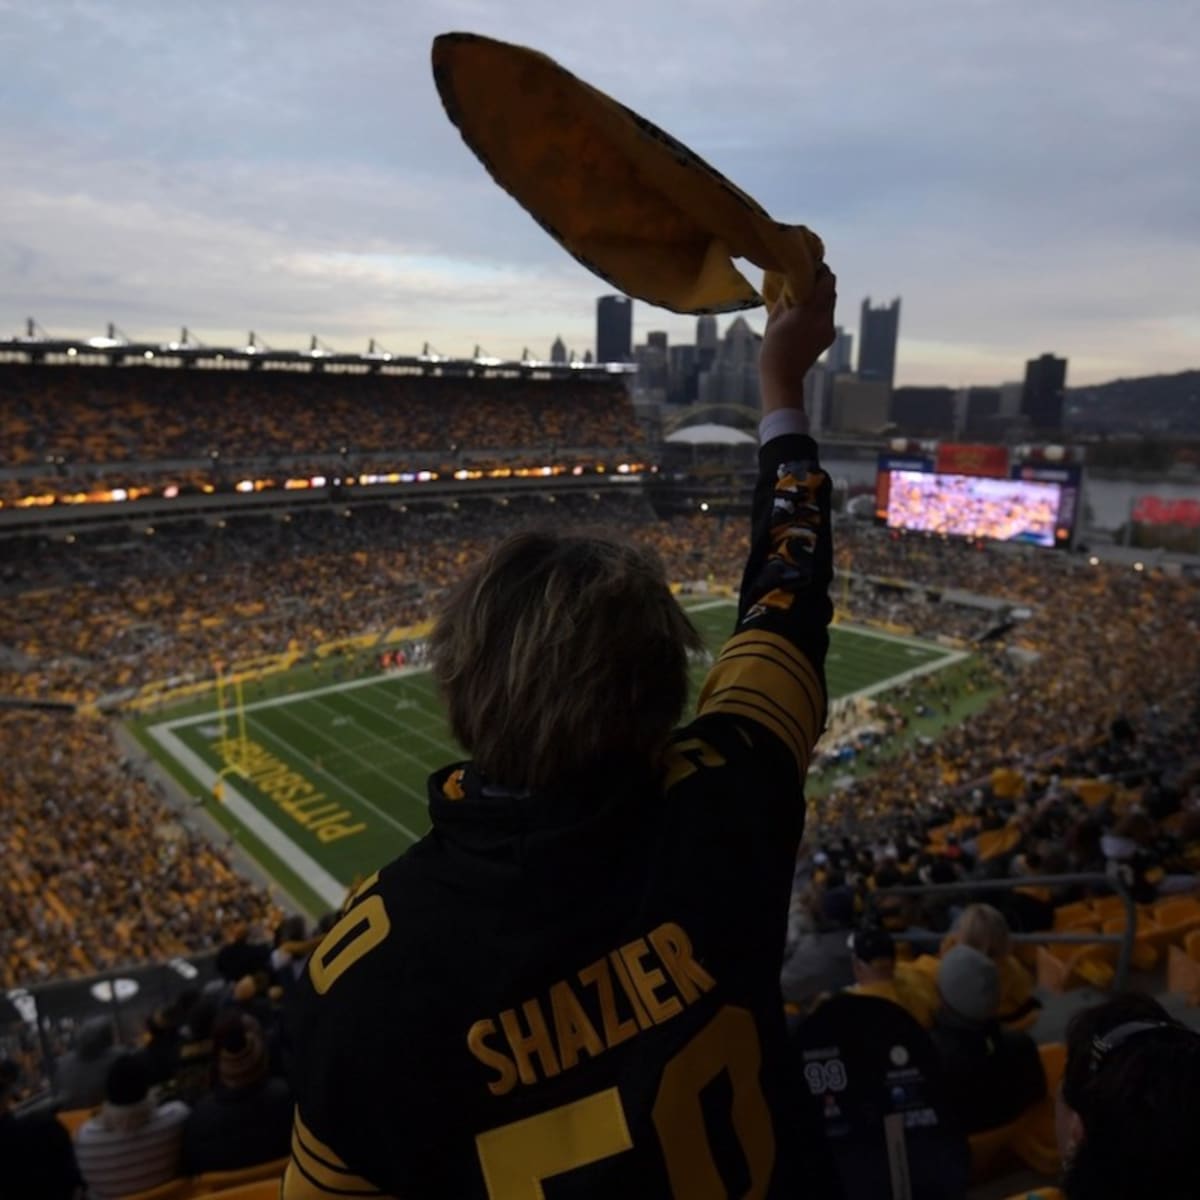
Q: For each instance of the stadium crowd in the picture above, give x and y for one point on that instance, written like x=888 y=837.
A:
x=145 y=608
x=60 y=421
x=1086 y=761
x=98 y=869
x=201 y=1090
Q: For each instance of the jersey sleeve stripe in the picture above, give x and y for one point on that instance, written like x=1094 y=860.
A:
x=765 y=717
x=777 y=647
x=318 y=1170
x=298 y=1184
x=766 y=703
x=813 y=707
x=768 y=672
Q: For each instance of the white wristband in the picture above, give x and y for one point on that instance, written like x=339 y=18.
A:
x=782 y=421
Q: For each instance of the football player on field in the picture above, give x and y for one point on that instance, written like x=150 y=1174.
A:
x=570 y=987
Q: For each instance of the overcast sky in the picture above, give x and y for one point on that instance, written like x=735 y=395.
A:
x=1024 y=173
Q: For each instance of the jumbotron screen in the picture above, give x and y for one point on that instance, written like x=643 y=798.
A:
x=974 y=506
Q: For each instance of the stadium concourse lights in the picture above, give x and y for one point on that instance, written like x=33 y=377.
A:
x=114 y=348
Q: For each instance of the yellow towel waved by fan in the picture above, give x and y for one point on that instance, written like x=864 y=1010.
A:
x=625 y=198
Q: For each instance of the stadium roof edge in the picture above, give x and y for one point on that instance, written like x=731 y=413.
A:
x=117 y=352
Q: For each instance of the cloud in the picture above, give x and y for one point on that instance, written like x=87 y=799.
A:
x=1023 y=175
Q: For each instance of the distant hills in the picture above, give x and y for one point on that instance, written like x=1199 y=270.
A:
x=1167 y=405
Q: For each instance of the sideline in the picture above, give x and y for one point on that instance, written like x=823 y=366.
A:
x=300 y=861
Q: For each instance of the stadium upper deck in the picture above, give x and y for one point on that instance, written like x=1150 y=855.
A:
x=75 y=431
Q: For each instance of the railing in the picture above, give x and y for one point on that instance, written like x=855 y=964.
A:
x=1095 y=879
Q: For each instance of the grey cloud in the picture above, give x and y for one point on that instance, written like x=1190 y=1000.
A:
x=1022 y=173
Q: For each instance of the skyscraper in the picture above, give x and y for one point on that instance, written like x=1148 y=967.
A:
x=614 y=329
x=840 y=355
x=733 y=376
x=1042 y=397
x=877 y=334
x=706 y=341
x=558 y=352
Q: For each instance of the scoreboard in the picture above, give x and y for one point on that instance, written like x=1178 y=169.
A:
x=977 y=492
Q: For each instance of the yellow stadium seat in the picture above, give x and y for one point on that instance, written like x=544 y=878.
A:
x=1145 y=952
x=218 y=1181
x=175 y=1189
x=1183 y=968
x=1067 y=916
x=264 y=1189
x=1105 y=907
x=1060 y=968
x=72 y=1118
x=1035 y=1141
x=991 y=1151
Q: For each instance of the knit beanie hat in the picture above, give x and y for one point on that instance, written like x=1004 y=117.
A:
x=241 y=1055
x=969 y=983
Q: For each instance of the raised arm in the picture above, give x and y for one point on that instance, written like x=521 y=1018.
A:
x=772 y=671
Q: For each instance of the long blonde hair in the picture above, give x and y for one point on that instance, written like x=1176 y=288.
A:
x=984 y=928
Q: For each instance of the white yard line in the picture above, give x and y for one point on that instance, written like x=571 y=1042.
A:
x=363 y=762
x=258 y=823
x=899 y=639
x=704 y=605
x=437 y=743
x=892 y=681
x=276 y=701
x=290 y=747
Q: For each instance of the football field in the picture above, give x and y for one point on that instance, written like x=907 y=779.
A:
x=324 y=781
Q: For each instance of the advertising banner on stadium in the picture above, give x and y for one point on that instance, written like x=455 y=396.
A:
x=962 y=458
x=1154 y=510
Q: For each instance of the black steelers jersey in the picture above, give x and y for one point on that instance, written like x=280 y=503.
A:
x=577 y=995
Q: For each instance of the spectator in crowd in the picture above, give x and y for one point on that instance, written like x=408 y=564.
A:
x=876 y=973
x=985 y=929
x=992 y=1075
x=564 y=663
x=1126 y=1113
x=194 y=1065
x=80 y=1074
x=36 y=1158
x=247 y=1118
x=160 y=1052
x=132 y=1143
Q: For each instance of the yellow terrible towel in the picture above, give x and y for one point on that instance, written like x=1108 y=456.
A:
x=625 y=198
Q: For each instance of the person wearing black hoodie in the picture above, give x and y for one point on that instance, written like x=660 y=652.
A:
x=593 y=930
x=79 y=1074
x=36 y=1156
x=247 y=1118
x=992 y=1075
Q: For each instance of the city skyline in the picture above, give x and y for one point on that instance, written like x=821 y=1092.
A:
x=288 y=169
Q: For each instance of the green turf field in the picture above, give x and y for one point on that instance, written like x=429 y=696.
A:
x=331 y=776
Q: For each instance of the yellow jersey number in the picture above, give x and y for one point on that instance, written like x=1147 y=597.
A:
x=516 y=1158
